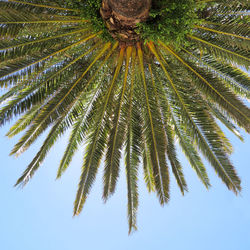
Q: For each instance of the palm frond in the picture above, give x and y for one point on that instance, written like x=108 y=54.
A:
x=160 y=169
x=95 y=150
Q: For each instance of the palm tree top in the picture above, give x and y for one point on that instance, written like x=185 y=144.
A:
x=127 y=77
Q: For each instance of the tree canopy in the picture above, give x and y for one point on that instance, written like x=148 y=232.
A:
x=127 y=85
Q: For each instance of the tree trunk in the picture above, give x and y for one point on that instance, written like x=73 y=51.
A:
x=121 y=17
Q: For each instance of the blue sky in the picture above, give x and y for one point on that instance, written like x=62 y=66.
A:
x=39 y=217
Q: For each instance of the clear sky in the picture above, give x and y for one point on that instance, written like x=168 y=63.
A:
x=39 y=217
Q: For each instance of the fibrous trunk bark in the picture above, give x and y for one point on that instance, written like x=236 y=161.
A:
x=121 y=17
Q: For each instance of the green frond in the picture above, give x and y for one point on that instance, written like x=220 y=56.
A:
x=41 y=122
x=43 y=21
x=36 y=93
x=171 y=151
x=156 y=141
x=222 y=32
x=23 y=122
x=13 y=48
x=238 y=29
x=95 y=148
x=55 y=132
x=79 y=130
x=223 y=51
x=215 y=156
x=27 y=64
x=176 y=166
x=116 y=137
x=185 y=141
x=236 y=79
x=195 y=161
x=219 y=115
x=41 y=5
x=216 y=90
x=148 y=168
x=132 y=152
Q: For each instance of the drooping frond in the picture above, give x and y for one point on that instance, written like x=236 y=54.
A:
x=216 y=156
x=155 y=139
x=95 y=150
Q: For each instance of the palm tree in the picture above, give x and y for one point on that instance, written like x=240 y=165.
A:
x=127 y=78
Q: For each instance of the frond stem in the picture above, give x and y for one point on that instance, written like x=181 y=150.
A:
x=221 y=32
x=42 y=5
x=218 y=47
